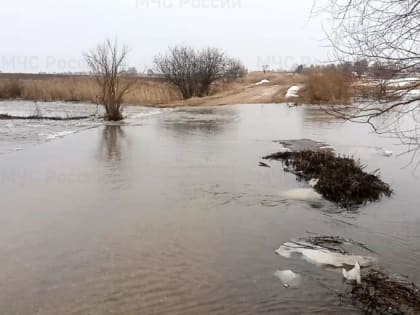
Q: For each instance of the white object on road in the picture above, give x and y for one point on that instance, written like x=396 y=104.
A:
x=353 y=274
x=293 y=91
x=262 y=82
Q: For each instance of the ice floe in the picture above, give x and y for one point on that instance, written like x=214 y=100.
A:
x=302 y=194
x=322 y=256
x=60 y=134
x=288 y=278
x=353 y=274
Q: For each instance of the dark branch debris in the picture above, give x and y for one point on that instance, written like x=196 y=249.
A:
x=342 y=180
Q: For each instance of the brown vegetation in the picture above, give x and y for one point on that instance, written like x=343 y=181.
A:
x=84 y=89
x=380 y=293
x=326 y=86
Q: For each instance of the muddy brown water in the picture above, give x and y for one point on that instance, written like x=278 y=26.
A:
x=170 y=214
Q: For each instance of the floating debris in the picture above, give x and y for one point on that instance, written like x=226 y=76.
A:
x=387 y=153
x=40 y=117
x=341 y=180
x=322 y=256
x=375 y=291
x=304 y=145
x=380 y=293
x=288 y=278
x=326 y=251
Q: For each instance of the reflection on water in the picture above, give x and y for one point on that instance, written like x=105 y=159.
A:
x=113 y=151
x=317 y=116
x=171 y=214
x=196 y=121
x=112 y=142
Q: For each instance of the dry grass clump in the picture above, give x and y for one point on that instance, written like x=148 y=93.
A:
x=85 y=89
x=152 y=92
x=10 y=88
x=342 y=180
x=326 y=86
x=60 y=89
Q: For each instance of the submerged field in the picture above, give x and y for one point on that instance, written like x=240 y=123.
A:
x=169 y=212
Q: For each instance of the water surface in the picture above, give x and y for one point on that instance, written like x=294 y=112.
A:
x=169 y=213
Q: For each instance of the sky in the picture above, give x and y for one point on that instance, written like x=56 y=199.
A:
x=52 y=35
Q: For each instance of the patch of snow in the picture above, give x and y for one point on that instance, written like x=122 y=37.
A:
x=321 y=256
x=402 y=82
x=288 y=278
x=327 y=147
x=60 y=134
x=145 y=114
x=284 y=149
x=265 y=81
x=302 y=194
x=293 y=91
x=411 y=94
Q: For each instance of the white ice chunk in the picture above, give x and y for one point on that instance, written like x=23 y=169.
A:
x=313 y=182
x=321 y=256
x=353 y=274
x=302 y=194
x=387 y=153
x=288 y=278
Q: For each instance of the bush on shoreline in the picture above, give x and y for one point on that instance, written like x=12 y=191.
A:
x=326 y=86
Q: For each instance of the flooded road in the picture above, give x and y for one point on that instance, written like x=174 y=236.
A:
x=169 y=213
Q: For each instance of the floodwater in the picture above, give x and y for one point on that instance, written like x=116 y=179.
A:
x=170 y=213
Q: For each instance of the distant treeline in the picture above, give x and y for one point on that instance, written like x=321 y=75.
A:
x=363 y=68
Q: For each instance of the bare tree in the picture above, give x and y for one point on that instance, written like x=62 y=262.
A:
x=265 y=68
x=387 y=34
x=193 y=72
x=234 y=70
x=211 y=67
x=106 y=63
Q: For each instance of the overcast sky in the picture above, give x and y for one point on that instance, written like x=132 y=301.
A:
x=51 y=35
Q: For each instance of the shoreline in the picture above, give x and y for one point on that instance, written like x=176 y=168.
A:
x=148 y=92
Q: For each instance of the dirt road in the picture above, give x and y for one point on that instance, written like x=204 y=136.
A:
x=248 y=92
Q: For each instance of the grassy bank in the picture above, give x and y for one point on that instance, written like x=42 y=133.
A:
x=319 y=87
x=145 y=91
